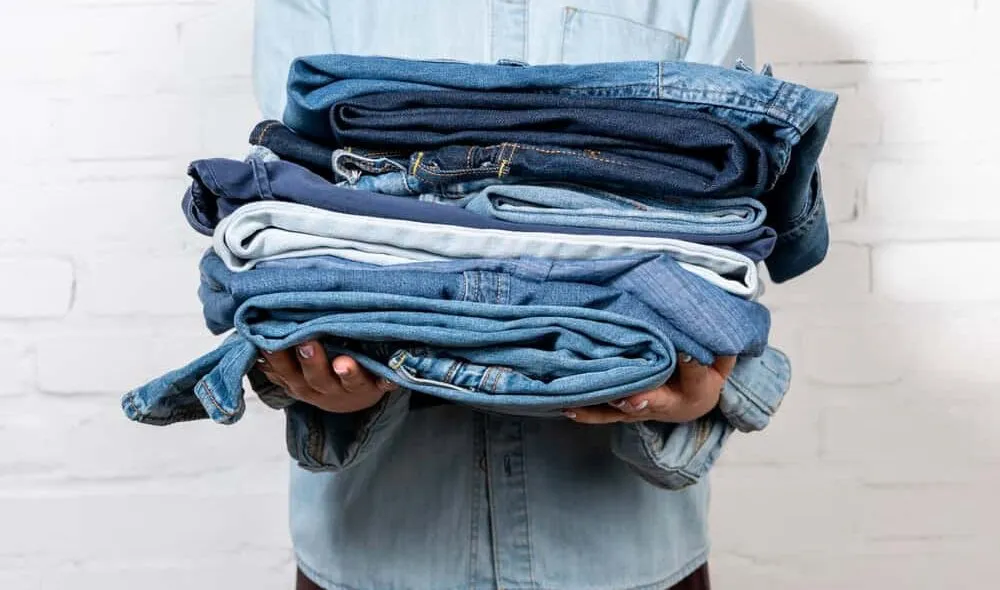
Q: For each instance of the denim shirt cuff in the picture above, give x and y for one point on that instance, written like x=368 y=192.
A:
x=672 y=456
x=324 y=441
x=755 y=389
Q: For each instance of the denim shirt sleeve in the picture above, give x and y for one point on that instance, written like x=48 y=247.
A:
x=324 y=441
x=674 y=456
x=284 y=30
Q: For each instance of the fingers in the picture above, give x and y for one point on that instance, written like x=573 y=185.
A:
x=595 y=415
x=283 y=366
x=353 y=378
x=661 y=402
x=315 y=368
x=695 y=380
x=340 y=386
x=724 y=365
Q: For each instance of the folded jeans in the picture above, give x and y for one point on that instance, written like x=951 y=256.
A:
x=646 y=146
x=270 y=230
x=792 y=121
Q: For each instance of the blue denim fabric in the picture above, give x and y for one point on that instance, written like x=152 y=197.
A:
x=645 y=146
x=697 y=317
x=527 y=334
x=791 y=120
x=219 y=186
x=268 y=230
x=554 y=201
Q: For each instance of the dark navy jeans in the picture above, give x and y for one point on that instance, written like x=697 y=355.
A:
x=645 y=147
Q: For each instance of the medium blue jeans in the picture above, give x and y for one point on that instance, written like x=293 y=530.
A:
x=528 y=334
x=791 y=120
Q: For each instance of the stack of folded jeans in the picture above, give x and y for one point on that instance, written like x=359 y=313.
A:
x=521 y=239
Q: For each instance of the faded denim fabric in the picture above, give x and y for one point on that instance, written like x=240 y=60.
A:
x=504 y=335
x=267 y=230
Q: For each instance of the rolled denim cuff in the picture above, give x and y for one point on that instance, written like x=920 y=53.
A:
x=755 y=389
x=671 y=456
x=323 y=441
x=272 y=395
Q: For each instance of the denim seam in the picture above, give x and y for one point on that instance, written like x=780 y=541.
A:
x=496 y=288
x=449 y=376
x=503 y=288
x=482 y=170
x=527 y=508
x=679 y=470
x=505 y=162
x=217 y=186
x=366 y=431
x=802 y=225
x=637 y=23
x=586 y=154
x=741 y=102
x=495 y=381
x=485 y=381
x=316 y=440
x=172 y=418
x=215 y=402
x=261 y=179
x=262 y=134
x=747 y=395
x=130 y=400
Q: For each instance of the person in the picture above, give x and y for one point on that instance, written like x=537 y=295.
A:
x=438 y=496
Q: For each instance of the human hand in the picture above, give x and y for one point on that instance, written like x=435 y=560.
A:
x=341 y=386
x=692 y=391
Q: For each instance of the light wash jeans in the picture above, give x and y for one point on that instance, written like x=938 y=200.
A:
x=272 y=230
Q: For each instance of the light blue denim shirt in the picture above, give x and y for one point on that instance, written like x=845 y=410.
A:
x=447 y=497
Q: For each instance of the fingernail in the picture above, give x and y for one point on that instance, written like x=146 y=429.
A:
x=570 y=415
x=686 y=358
x=619 y=404
x=305 y=351
x=641 y=405
x=261 y=360
x=342 y=371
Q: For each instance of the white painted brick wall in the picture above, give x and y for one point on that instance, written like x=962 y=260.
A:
x=879 y=471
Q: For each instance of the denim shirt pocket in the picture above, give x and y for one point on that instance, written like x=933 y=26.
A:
x=593 y=37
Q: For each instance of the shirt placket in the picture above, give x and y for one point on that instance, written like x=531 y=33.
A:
x=508 y=502
x=508 y=29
